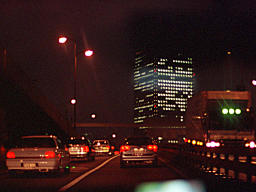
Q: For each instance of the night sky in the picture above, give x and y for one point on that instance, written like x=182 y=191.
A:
x=204 y=30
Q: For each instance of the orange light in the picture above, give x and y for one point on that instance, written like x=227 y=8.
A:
x=124 y=148
x=85 y=149
x=112 y=147
x=49 y=154
x=10 y=155
x=152 y=148
x=88 y=53
x=63 y=39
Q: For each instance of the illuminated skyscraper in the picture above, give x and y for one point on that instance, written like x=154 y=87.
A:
x=162 y=86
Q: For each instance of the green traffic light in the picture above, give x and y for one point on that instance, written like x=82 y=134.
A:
x=231 y=111
x=238 y=111
x=225 y=111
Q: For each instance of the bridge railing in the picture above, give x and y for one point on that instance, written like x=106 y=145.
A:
x=236 y=162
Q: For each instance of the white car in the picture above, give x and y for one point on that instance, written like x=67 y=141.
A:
x=138 y=150
x=102 y=147
x=38 y=153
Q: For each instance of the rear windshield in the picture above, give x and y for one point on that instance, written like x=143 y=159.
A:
x=78 y=142
x=138 y=141
x=36 y=142
x=101 y=142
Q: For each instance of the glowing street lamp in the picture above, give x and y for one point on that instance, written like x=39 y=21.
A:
x=254 y=82
x=93 y=116
x=62 y=39
x=73 y=101
x=87 y=53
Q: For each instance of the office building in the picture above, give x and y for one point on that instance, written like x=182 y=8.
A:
x=162 y=86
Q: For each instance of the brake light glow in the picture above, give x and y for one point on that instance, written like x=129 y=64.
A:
x=10 y=155
x=85 y=149
x=112 y=147
x=124 y=148
x=49 y=154
x=108 y=147
x=152 y=148
x=212 y=144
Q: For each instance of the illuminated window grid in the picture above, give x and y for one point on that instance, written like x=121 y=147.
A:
x=167 y=86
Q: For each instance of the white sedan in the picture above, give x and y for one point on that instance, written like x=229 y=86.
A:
x=38 y=153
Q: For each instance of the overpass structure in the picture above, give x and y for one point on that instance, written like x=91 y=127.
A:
x=164 y=130
x=24 y=109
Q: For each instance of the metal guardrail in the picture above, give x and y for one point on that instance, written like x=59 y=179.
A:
x=239 y=160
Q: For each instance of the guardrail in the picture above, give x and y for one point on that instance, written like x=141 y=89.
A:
x=237 y=162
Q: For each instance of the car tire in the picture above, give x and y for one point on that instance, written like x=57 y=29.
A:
x=122 y=164
x=155 y=162
x=67 y=169
x=91 y=158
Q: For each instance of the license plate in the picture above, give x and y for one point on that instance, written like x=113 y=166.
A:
x=29 y=165
x=138 y=154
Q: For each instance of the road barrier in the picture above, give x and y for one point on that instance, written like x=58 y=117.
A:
x=235 y=161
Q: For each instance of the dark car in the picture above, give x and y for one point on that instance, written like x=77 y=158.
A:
x=138 y=150
x=80 y=148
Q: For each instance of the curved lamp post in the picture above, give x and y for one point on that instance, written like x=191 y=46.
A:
x=87 y=53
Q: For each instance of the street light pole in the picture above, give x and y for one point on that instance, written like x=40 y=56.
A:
x=75 y=79
x=87 y=53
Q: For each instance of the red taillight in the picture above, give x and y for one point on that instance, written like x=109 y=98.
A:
x=49 y=154
x=112 y=147
x=85 y=149
x=10 y=155
x=108 y=147
x=124 y=148
x=152 y=148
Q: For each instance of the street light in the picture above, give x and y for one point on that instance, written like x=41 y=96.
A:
x=87 y=53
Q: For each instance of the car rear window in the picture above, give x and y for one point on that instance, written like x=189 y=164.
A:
x=78 y=142
x=138 y=141
x=36 y=142
x=101 y=142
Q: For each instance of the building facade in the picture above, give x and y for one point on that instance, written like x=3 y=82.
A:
x=162 y=86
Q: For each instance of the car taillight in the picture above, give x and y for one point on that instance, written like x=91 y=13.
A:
x=85 y=149
x=112 y=147
x=152 y=148
x=124 y=148
x=49 y=154
x=108 y=147
x=10 y=155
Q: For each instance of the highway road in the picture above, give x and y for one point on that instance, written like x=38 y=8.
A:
x=105 y=175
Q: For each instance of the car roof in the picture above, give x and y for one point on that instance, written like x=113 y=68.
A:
x=39 y=136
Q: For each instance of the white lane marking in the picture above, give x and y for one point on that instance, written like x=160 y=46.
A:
x=172 y=167
x=78 y=179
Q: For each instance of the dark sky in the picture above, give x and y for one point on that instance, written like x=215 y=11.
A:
x=202 y=29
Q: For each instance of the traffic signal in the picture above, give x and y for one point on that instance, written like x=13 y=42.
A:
x=231 y=111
